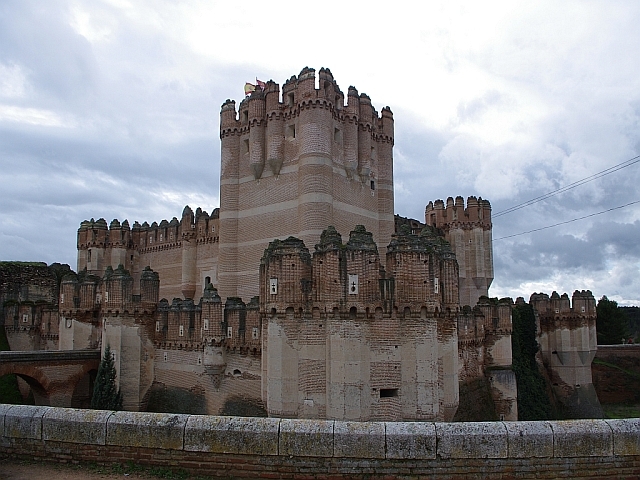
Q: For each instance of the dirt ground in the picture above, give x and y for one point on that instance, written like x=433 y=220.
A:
x=16 y=470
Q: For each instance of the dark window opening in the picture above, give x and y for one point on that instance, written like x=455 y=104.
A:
x=245 y=116
x=373 y=185
x=388 y=392
x=207 y=280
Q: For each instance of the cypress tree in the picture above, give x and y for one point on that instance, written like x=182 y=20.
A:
x=105 y=396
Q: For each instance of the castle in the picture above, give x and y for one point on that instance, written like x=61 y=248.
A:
x=344 y=331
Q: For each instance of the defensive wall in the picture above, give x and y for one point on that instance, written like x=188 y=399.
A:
x=240 y=447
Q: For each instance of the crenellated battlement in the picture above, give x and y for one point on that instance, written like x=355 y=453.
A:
x=568 y=343
x=468 y=229
x=300 y=93
x=476 y=212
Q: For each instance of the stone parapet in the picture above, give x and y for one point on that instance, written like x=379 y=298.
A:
x=239 y=447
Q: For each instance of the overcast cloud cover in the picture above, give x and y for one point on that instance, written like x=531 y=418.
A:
x=111 y=109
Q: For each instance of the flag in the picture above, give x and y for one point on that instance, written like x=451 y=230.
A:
x=248 y=88
x=260 y=84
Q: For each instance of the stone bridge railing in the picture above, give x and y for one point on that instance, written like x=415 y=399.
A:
x=238 y=447
x=48 y=356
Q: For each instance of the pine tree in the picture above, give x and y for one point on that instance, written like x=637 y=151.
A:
x=105 y=396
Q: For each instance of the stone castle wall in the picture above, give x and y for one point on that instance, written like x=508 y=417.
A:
x=235 y=447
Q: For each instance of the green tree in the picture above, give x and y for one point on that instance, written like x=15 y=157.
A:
x=105 y=396
x=611 y=323
x=533 y=400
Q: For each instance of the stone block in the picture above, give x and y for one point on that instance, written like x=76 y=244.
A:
x=3 y=409
x=72 y=425
x=410 y=440
x=359 y=439
x=150 y=430
x=582 y=438
x=472 y=440
x=243 y=435
x=626 y=436
x=529 y=439
x=306 y=438
x=24 y=421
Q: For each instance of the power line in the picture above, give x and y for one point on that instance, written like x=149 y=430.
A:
x=590 y=178
x=568 y=221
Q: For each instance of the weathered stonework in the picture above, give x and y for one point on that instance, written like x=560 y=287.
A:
x=568 y=343
x=232 y=447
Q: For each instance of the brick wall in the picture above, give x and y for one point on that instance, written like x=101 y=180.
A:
x=237 y=447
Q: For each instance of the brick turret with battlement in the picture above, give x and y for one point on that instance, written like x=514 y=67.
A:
x=183 y=252
x=468 y=229
x=292 y=167
x=568 y=344
x=348 y=337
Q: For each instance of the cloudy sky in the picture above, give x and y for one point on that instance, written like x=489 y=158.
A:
x=111 y=109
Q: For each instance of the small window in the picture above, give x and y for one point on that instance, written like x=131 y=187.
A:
x=165 y=356
x=207 y=280
x=290 y=100
x=150 y=239
x=245 y=146
x=161 y=237
x=245 y=116
x=273 y=286
x=582 y=308
x=199 y=359
x=436 y=285
x=388 y=392
x=62 y=298
x=255 y=333
x=291 y=131
x=25 y=318
x=106 y=296
x=157 y=326
x=353 y=284
x=373 y=185
x=88 y=255
x=229 y=332
x=205 y=324
x=181 y=330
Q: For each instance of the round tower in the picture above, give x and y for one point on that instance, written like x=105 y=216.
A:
x=315 y=165
x=189 y=254
x=257 y=122
x=229 y=191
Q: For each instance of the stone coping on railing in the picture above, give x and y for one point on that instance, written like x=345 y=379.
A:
x=324 y=438
x=48 y=355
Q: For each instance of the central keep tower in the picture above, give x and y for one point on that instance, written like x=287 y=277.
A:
x=293 y=164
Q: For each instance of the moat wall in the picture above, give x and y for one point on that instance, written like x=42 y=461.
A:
x=238 y=447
